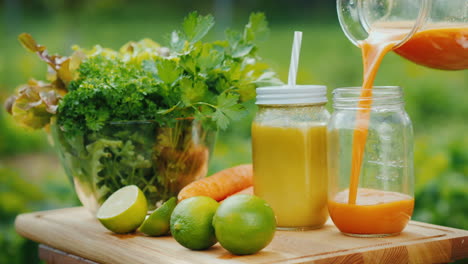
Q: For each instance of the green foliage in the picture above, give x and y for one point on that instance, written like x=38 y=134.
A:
x=143 y=81
x=111 y=90
x=442 y=182
x=201 y=80
x=196 y=27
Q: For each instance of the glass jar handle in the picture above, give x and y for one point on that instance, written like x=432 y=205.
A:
x=357 y=17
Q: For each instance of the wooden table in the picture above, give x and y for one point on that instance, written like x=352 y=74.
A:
x=74 y=236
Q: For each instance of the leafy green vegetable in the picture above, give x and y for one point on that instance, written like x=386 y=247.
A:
x=196 y=27
x=145 y=81
x=176 y=97
x=227 y=109
x=60 y=72
x=160 y=161
x=35 y=103
x=207 y=81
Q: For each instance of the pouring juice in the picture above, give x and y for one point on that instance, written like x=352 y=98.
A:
x=433 y=33
x=443 y=47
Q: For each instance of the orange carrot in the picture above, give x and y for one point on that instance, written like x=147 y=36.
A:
x=248 y=190
x=221 y=184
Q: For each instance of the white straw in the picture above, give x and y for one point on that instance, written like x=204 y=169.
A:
x=296 y=50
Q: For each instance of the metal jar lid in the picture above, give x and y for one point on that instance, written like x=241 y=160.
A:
x=299 y=94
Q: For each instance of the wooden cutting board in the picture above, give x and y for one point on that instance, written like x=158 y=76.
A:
x=76 y=231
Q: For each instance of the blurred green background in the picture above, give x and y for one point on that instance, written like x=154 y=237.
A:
x=32 y=179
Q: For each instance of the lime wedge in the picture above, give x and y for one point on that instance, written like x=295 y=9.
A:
x=124 y=210
x=157 y=224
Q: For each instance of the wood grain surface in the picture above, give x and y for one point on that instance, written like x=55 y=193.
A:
x=76 y=231
x=55 y=256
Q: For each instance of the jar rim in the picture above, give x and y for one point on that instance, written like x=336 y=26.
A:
x=387 y=88
x=380 y=97
x=376 y=91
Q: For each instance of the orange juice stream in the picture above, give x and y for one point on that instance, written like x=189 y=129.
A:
x=373 y=49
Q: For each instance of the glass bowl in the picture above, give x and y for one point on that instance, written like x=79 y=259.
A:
x=159 y=160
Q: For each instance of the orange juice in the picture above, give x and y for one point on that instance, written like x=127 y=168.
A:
x=373 y=49
x=290 y=173
x=375 y=212
x=443 y=47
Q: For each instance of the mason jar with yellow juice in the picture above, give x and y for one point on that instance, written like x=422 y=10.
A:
x=290 y=154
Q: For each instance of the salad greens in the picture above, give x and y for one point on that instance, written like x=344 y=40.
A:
x=145 y=114
x=160 y=161
x=145 y=81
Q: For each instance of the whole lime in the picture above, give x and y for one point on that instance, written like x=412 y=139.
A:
x=191 y=222
x=244 y=224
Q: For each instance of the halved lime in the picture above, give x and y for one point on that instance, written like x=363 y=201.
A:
x=157 y=224
x=124 y=210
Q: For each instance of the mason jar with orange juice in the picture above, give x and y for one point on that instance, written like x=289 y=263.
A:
x=290 y=154
x=370 y=135
x=377 y=201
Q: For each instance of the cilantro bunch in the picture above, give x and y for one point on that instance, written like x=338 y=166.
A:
x=193 y=79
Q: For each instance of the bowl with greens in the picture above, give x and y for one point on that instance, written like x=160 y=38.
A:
x=145 y=114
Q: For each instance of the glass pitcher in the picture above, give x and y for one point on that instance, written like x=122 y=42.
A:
x=434 y=33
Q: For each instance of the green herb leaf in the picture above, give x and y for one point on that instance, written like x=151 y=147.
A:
x=177 y=42
x=168 y=71
x=242 y=50
x=257 y=28
x=233 y=36
x=222 y=121
x=209 y=58
x=196 y=26
x=228 y=109
x=192 y=92
x=189 y=64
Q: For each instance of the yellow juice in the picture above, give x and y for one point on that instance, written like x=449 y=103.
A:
x=290 y=173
